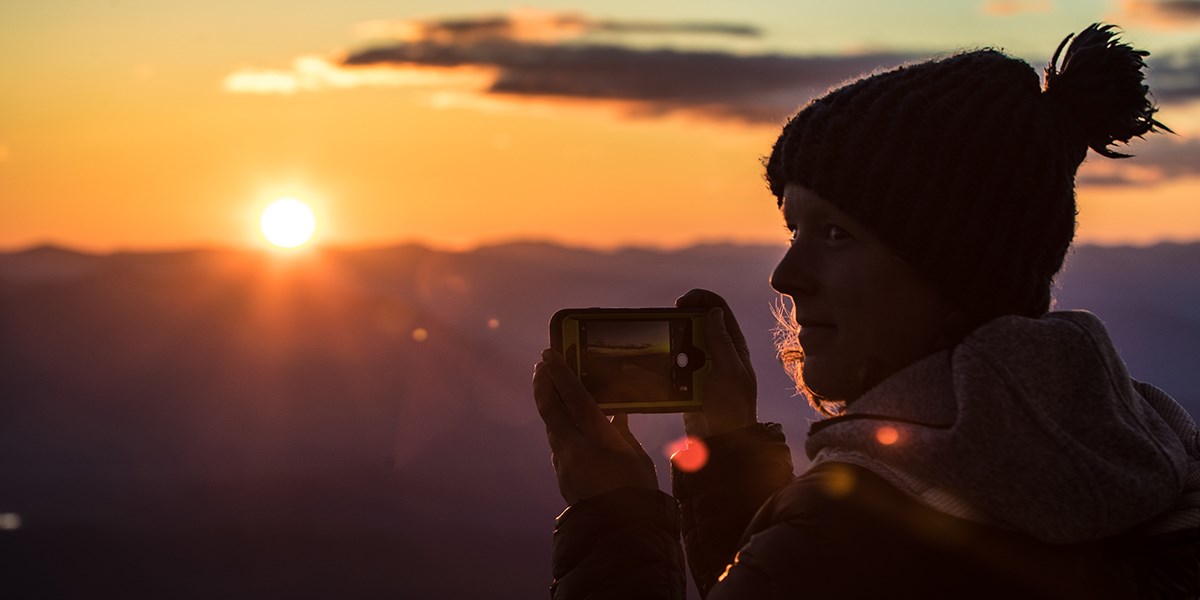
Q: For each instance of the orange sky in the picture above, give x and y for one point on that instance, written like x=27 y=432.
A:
x=129 y=133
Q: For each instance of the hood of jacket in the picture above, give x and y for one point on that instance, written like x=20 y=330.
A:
x=1030 y=424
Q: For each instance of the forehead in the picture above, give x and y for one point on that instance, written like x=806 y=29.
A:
x=799 y=201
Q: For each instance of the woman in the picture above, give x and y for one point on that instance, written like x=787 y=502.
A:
x=976 y=445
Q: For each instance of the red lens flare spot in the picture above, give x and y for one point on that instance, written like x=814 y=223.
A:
x=887 y=435
x=689 y=454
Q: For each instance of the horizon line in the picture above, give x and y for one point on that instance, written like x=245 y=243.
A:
x=51 y=245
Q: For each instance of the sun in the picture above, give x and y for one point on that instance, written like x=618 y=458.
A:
x=288 y=222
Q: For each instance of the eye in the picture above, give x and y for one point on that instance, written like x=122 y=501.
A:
x=835 y=234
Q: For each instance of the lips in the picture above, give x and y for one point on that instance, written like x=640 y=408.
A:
x=815 y=337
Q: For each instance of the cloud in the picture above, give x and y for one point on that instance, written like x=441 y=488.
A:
x=1160 y=14
x=533 y=26
x=1006 y=8
x=1175 y=76
x=755 y=88
x=530 y=57
x=315 y=73
x=1157 y=159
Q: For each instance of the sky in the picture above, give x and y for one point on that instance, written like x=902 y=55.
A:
x=170 y=124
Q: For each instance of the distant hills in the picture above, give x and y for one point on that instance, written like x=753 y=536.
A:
x=354 y=423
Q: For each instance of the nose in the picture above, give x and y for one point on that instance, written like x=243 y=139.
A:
x=793 y=275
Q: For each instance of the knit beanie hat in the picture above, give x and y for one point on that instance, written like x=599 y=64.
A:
x=965 y=166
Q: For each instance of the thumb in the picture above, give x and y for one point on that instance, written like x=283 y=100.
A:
x=720 y=342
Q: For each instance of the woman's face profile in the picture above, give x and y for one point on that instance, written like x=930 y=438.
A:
x=863 y=313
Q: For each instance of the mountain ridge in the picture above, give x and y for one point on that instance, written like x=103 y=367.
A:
x=245 y=421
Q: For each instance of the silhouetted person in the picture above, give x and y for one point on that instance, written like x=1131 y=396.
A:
x=976 y=444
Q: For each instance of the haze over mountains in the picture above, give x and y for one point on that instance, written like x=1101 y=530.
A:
x=357 y=423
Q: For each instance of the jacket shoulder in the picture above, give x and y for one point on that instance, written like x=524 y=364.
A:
x=840 y=530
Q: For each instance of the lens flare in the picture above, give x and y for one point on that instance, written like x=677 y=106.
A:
x=887 y=435
x=838 y=481
x=689 y=454
x=10 y=521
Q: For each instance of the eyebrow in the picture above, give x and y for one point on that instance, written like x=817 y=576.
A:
x=804 y=211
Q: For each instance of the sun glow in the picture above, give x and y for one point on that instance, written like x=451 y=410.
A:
x=288 y=223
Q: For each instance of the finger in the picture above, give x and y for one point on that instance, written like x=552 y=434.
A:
x=728 y=358
x=620 y=422
x=695 y=424
x=579 y=405
x=557 y=446
x=700 y=298
x=725 y=350
x=559 y=424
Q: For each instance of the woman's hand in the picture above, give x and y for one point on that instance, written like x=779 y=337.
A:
x=731 y=395
x=591 y=455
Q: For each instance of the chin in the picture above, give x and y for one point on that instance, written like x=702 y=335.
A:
x=826 y=384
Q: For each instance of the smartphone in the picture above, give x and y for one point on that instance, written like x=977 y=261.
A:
x=636 y=360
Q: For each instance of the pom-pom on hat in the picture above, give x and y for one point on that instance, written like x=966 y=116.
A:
x=965 y=167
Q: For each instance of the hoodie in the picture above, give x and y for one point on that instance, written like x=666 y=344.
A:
x=1032 y=425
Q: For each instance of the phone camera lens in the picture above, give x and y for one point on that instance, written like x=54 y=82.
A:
x=681 y=359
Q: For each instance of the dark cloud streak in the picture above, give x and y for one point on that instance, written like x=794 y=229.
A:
x=758 y=88
x=544 y=26
x=729 y=29
x=1175 y=76
x=539 y=53
x=1180 y=8
x=1165 y=156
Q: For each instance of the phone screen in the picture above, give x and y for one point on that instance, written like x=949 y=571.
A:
x=643 y=360
x=627 y=361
